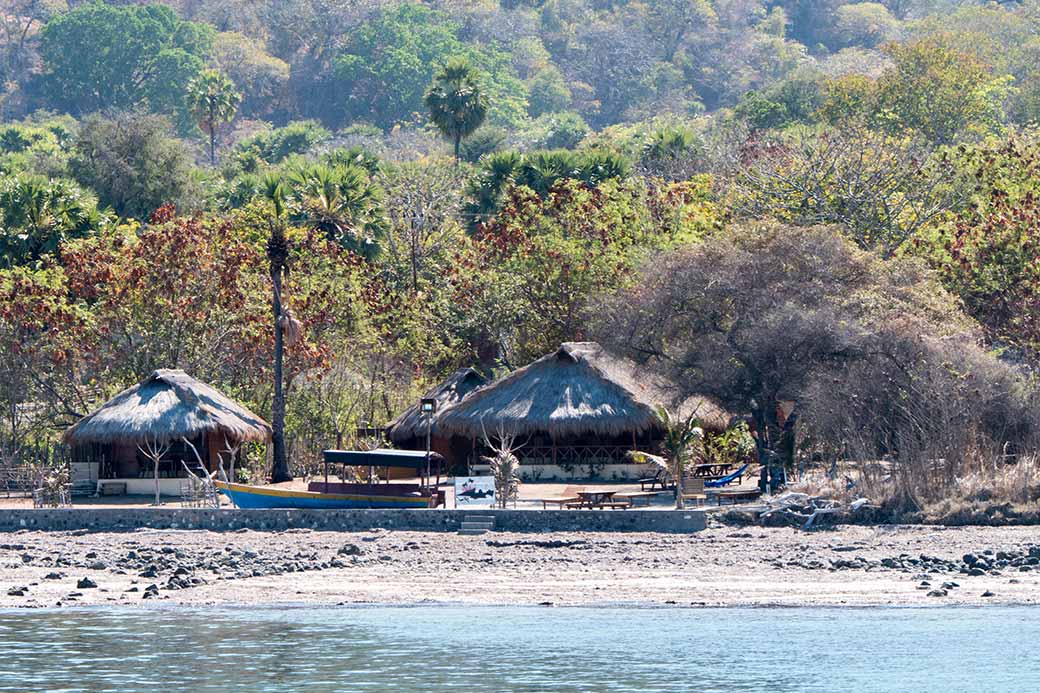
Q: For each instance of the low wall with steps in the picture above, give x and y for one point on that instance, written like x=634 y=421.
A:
x=129 y=519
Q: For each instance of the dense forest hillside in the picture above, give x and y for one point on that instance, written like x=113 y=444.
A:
x=464 y=182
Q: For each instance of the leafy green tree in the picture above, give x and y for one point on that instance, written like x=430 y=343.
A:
x=262 y=77
x=456 y=102
x=388 y=63
x=939 y=91
x=539 y=171
x=761 y=112
x=99 y=56
x=485 y=140
x=275 y=145
x=37 y=215
x=341 y=202
x=135 y=165
x=932 y=88
x=865 y=24
x=986 y=253
x=539 y=260
x=563 y=130
x=549 y=92
x=214 y=102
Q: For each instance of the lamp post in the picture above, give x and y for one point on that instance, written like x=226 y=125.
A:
x=428 y=406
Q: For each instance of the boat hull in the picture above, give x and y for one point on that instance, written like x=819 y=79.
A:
x=245 y=496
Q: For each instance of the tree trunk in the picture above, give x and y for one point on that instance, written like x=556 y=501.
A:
x=679 y=502
x=155 y=472
x=765 y=420
x=458 y=142
x=280 y=465
x=212 y=135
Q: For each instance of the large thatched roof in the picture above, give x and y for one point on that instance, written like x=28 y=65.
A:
x=411 y=423
x=164 y=406
x=577 y=389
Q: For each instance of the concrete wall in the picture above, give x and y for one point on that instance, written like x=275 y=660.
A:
x=119 y=519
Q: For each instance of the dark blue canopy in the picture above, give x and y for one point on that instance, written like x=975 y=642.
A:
x=408 y=459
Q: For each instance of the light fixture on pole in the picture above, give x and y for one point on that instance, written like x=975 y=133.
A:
x=428 y=406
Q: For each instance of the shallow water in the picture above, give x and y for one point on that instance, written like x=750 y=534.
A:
x=455 y=648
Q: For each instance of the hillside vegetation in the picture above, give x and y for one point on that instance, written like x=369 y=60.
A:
x=831 y=203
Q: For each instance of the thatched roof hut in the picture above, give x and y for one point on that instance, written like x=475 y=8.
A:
x=411 y=424
x=579 y=389
x=165 y=406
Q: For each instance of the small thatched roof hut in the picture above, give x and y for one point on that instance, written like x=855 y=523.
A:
x=167 y=405
x=410 y=425
x=580 y=389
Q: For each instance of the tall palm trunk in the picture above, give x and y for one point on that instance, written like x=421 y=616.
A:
x=280 y=465
x=458 y=143
x=212 y=136
x=679 y=471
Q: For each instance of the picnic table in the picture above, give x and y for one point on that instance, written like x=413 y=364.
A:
x=712 y=470
x=596 y=499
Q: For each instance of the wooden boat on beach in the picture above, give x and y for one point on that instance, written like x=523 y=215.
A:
x=326 y=495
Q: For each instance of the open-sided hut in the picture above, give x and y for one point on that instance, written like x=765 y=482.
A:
x=408 y=430
x=575 y=412
x=162 y=410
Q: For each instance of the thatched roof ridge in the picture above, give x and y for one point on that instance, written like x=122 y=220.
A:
x=166 y=405
x=578 y=389
x=411 y=423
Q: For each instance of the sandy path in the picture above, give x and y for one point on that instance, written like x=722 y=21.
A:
x=721 y=566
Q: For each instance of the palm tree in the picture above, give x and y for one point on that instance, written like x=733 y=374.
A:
x=456 y=102
x=340 y=201
x=276 y=193
x=213 y=101
x=682 y=446
x=37 y=215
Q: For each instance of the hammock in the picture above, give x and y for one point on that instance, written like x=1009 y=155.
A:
x=726 y=480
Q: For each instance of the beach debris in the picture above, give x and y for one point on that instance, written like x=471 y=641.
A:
x=802 y=509
x=17 y=591
x=937 y=593
x=86 y=584
x=987 y=593
x=54 y=576
x=350 y=550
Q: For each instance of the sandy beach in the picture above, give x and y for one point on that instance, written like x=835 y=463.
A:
x=721 y=566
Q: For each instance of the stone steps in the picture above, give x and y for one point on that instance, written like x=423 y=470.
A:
x=473 y=525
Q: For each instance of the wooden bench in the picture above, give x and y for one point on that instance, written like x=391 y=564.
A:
x=633 y=496
x=613 y=505
x=569 y=495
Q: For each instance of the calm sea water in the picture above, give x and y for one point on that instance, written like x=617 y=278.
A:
x=448 y=648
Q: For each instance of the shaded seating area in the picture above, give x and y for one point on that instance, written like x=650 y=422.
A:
x=597 y=499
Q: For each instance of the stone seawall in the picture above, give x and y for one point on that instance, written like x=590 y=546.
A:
x=117 y=519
